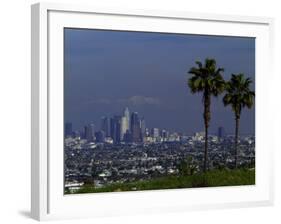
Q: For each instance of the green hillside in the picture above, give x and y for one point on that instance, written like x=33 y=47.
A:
x=210 y=179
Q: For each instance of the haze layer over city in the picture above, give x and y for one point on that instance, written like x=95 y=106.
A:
x=106 y=71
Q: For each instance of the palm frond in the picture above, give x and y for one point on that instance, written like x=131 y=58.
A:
x=238 y=93
x=206 y=78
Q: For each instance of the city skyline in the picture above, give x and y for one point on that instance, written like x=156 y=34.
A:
x=98 y=125
x=120 y=128
x=127 y=127
x=106 y=71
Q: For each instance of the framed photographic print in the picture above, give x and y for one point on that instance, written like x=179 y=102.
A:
x=148 y=111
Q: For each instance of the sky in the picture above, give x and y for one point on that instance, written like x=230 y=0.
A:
x=106 y=71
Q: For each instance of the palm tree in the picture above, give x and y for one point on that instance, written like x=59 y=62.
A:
x=208 y=80
x=238 y=95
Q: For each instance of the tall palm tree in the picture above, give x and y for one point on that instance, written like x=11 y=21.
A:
x=238 y=95
x=207 y=79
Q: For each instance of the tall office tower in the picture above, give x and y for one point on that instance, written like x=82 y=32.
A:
x=155 y=132
x=100 y=136
x=89 y=132
x=105 y=126
x=123 y=127
x=126 y=114
x=127 y=137
x=135 y=127
x=142 y=127
x=93 y=129
x=221 y=133
x=68 y=129
x=112 y=127
x=115 y=129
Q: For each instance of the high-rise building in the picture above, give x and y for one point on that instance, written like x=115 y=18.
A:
x=127 y=137
x=123 y=127
x=142 y=127
x=89 y=131
x=100 y=136
x=124 y=123
x=126 y=114
x=135 y=127
x=115 y=129
x=105 y=126
x=68 y=129
x=221 y=133
x=112 y=127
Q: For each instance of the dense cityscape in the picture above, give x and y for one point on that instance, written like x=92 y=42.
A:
x=123 y=148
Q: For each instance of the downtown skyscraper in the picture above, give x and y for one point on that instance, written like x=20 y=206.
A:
x=136 y=127
x=68 y=129
x=125 y=123
x=105 y=126
x=115 y=128
x=89 y=132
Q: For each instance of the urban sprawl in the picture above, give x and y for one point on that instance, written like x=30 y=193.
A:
x=125 y=150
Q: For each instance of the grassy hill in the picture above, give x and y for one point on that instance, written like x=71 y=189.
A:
x=210 y=179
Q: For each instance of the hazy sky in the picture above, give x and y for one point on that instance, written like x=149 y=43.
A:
x=106 y=71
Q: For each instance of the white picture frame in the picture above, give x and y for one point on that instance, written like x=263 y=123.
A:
x=47 y=198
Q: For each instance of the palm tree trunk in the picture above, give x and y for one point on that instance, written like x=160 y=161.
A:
x=206 y=149
x=236 y=140
x=207 y=116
